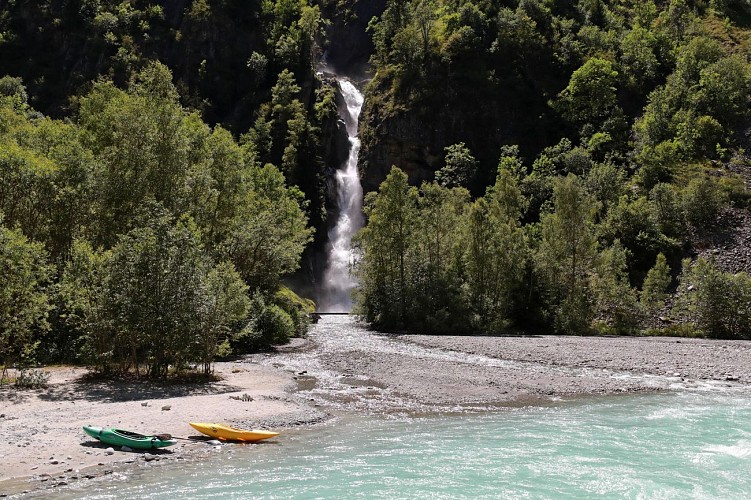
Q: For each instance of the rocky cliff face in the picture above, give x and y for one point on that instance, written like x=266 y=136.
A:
x=404 y=140
x=349 y=45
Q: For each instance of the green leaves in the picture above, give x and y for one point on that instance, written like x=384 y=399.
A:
x=24 y=294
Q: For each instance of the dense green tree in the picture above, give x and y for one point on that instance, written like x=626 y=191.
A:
x=459 y=169
x=268 y=230
x=617 y=303
x=495 y=255
x=567 y=254
x=437 y=257
x=225 y=304
x=383 y=269
x=591 y=93
x=717 y=303
x=655 y=288
x=24 y=296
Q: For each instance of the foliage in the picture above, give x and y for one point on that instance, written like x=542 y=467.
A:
x=567 y=253
x=385 y=295
x=24 y=296
x=32 y=379
x=717 y=303
x=655 y=287
x=459 y=169
x=617 y=304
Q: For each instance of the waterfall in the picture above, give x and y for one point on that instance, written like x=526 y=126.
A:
x=337 y=281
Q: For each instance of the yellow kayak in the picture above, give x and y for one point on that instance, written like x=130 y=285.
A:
x=226 y=433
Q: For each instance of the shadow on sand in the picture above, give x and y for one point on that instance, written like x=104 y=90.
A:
x=110 y=391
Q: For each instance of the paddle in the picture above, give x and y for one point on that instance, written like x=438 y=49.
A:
x=167 y=437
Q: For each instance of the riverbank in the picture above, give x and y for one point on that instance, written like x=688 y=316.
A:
x=380 y=373
x=343 y=367
x=43 y=445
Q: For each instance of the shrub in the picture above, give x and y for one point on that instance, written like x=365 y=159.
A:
x=717 y=303
x=32 y=379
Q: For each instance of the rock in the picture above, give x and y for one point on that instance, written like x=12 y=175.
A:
x=126 y=448
x=109 y=451
x=35 y=467
x=731 y=378
x=166 y=408
x=214 y=442
x=150 y=458
x=54 y=462
x=145 y=403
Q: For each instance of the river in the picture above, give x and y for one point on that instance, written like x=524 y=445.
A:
x=686 y=441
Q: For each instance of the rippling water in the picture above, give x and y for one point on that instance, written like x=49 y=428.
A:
x=687 y=444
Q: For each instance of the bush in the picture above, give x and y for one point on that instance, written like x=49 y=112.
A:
x=270 y=325
x=702 y=202
x=717 y=303
x=298 y=309
x=32 y=379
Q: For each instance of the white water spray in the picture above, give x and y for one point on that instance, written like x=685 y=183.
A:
x=338 y=282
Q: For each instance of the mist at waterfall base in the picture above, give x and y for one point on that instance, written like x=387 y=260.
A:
x=686 y=444
x=336 y=293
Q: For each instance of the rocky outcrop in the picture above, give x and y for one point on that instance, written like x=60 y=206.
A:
x=349 y=45
x=730 y=245
x=405 y=141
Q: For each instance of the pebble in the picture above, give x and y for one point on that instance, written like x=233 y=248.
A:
x=109 y=451
x=166 y=408
x=126 y=448
x=214 y=442
x=54 y=462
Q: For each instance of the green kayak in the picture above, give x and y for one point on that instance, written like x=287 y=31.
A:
x=119 y=437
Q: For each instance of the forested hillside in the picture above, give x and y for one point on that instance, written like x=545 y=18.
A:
x=164 y=166
x=580 y=151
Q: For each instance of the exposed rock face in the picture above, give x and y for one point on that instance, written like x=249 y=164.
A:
x=350 y=46
x=730 y=245
x=405 y=141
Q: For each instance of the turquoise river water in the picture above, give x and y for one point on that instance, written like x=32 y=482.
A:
x=684 y=444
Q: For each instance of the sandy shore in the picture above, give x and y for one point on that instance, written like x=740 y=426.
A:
x=43 y=445
x=342 y=367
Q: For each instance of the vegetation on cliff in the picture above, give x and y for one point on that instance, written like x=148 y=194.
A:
x=621 y=131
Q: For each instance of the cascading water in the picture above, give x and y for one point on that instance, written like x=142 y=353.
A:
x=338 y=282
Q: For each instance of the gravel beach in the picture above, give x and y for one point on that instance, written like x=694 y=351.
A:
x=341 y=367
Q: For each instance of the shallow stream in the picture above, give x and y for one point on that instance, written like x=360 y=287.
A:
x=691 y=441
